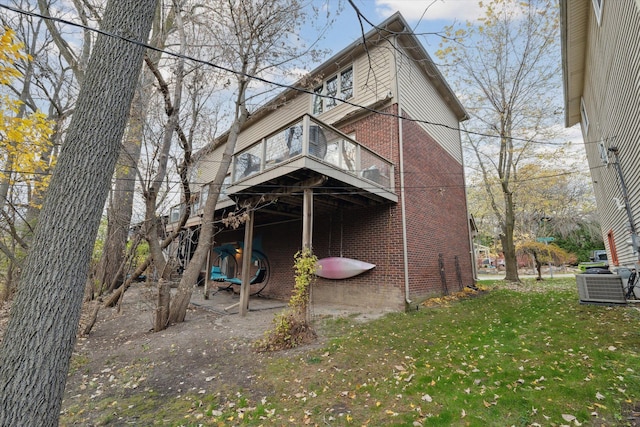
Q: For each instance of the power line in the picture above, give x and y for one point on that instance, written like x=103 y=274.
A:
x=365 y=189
x=266 y=81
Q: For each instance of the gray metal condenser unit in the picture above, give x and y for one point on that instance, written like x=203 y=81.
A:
x=600 y=289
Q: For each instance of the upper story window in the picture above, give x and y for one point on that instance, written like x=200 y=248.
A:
x=597 y=6
x=337 y=87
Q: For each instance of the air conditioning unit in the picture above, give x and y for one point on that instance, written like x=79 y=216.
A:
x=600 y=289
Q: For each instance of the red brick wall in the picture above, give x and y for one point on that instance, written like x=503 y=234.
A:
x=436 y=224
x=279 y=243
x=369 y=235
x=436 y=210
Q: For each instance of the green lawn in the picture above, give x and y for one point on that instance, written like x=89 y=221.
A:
x=526 y=357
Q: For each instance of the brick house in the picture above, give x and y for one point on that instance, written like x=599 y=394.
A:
x=371 y=155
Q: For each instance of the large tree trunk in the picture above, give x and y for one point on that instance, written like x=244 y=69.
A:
x=508 y=244
x=37 y=346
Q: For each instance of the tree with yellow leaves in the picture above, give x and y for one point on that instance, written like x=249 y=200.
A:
x=24 y=137
x=544 y=253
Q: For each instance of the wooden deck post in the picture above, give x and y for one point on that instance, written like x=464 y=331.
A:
x=245 y=288
x=307 y=219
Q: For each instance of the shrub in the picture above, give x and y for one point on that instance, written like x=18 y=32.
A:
x=292 y=326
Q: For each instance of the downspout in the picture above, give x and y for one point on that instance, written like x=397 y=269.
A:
x=635 y=245
x=403 y=206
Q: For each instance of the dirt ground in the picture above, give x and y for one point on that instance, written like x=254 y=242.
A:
x=216 y=343
x=209 y=353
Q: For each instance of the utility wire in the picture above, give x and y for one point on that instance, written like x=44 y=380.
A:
x=410 y=187
x=266 y=81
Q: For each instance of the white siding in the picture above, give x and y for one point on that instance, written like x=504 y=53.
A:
x=206 y=168
x=574 y=45
x=612 y=102
x=284 y=114
x=422 y=101
x=288 y=111
x=372 y=82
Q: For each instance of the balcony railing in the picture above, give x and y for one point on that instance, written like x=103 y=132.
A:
x=304 y=137
x=321 y=142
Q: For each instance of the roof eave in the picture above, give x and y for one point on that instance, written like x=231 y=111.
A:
x=573 y=50
x=392 y=25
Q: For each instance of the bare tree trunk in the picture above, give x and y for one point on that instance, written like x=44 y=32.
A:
x=93 y=316
x=251 y=46
x=508 y=244
x=173 y=117
x=116 y=296
x=109 y=271
x=162 y=311
x=538 y=265
x=39 y=340
x=181 y=300
x=121 y=204
x=127 y=261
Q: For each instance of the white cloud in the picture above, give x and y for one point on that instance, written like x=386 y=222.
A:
x=430 y=10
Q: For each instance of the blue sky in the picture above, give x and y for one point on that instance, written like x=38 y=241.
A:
x=425 y=16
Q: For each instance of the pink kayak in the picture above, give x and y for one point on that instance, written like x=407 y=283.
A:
x=341 y=268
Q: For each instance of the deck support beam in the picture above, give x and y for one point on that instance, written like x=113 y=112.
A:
x=307 y=219
x=247 y=250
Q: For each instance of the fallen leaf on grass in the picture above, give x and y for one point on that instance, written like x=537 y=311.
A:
x=569 y=418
